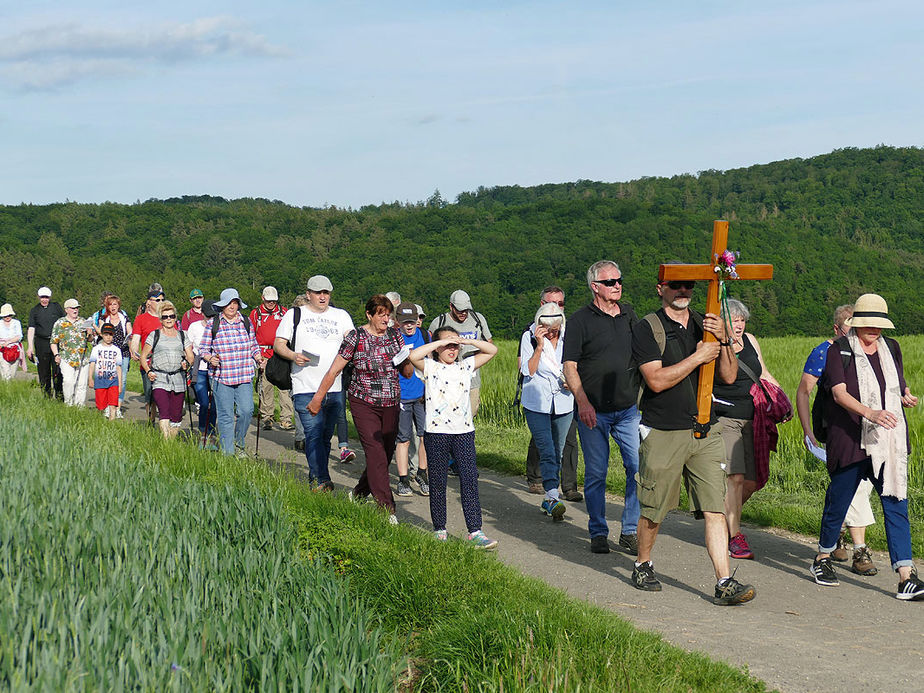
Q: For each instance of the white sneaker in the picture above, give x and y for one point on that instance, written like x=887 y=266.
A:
x=119 y=414
x=392 y=519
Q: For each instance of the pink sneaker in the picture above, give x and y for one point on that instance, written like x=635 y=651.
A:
x=347 y=455
x=738 y=547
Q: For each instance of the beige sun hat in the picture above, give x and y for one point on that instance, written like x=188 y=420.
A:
x=870 y=310
x=6 y=310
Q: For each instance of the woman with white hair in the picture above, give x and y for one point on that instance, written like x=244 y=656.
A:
x=547 y=403
x=735 y=408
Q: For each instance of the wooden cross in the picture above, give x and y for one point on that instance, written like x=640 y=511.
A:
x=707 y=273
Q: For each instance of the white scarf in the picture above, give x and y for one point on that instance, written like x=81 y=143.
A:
x=887 y=447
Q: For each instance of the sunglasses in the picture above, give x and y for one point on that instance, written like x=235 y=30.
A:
x=560 y=304
x=607 y=282
x=676 y=286
x=168 y=317
x=157 y=300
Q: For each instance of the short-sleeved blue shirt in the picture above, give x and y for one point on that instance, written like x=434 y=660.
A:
x=413 y=387
x=815 y=363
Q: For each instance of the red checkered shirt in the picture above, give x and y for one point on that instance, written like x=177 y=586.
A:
x=237 y=348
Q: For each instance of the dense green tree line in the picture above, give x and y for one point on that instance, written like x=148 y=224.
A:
x=834 y=226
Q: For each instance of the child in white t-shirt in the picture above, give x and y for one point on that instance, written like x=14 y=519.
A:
x=450 y=433
x=105 y=374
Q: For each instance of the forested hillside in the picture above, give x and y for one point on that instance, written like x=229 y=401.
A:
x=834 y=226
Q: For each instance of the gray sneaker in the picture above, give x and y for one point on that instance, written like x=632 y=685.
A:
x=404 y=489
x=424 y=486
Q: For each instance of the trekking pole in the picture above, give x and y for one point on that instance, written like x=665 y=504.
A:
x=259 y=410
x=188 y=403
x=208 y=407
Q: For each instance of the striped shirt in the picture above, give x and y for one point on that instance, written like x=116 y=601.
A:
x=237 y=348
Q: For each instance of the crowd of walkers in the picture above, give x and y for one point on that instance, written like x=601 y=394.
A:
x=599 y=373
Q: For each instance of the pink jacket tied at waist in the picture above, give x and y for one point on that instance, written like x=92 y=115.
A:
x=767 y=414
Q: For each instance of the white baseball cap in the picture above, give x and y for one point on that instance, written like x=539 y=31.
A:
x=44 y=291
x=270 y=294
x=460 y=300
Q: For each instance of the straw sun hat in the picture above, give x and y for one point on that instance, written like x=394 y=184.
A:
x=870 y=310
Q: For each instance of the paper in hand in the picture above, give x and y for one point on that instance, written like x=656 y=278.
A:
x=402 y=355
x=816 y=450
x=313 y=359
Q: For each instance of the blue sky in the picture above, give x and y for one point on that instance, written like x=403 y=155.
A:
x=347 y=103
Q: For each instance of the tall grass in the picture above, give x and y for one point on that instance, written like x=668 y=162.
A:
x=115 y=575
x=794 y=494
x=146 y=564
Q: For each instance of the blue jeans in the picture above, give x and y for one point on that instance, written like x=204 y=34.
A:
x=843 y=485
x=549 y=432
x=126 y=362
x=229 y=398
x=318 y=431
x=207 y=414
x=622 y=425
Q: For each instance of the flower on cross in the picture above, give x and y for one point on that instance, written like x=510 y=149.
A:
x=725 y=264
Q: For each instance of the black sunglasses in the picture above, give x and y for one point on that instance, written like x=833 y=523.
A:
x=609 y=282
x=676 y=286
x=168 y=317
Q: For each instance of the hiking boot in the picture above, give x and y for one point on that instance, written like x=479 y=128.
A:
x=478 y=539
x=599 y=544
x=738 y=547
x=824 y=573
x=536 y=487
x=840 y=554
x=300 y=445
x=267 y=425
x=572 y=496
x=629 y=542
x=910 y=590
x=286 y=425
x=863 y=562
x=733 y=592
x=441 y=535
x=403 y=489
x=554 y=508
x=643 y=578
x=423 y=484
x=346 y=455
x=324 y=487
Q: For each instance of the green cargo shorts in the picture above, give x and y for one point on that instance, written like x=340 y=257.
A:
x=666 y=457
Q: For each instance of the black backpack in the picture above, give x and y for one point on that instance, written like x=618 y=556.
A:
x=824 y=399
x=279 y=370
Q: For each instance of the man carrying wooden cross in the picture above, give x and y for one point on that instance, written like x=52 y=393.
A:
x=669 y=348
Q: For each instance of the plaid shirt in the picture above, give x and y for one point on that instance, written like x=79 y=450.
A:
x=236 y=347
x=375 y=378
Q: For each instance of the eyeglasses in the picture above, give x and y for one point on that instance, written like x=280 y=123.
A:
x=676 y=286
x=560 y=304
x=606 y=282
x=168 y=317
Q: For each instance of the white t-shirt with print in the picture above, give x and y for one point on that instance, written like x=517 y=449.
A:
x=318 y=333
x=447 y=387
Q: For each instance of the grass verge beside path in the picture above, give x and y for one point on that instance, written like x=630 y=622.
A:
x=144 y=553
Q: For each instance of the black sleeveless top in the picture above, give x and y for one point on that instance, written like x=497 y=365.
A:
x=739 y=392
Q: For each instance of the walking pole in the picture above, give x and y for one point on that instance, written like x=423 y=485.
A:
x=259 y=409
x=208 y=407
x=188 y=404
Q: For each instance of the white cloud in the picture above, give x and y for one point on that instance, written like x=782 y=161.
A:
x=56 y=55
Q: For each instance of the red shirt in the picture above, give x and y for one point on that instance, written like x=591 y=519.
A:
x=265 y=324
x=144 y=325
x=189 y=317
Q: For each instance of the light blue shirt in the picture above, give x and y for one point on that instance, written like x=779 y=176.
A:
x=543 y=391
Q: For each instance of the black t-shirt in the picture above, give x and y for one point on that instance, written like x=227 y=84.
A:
x=44 y=318
x=673 y=409
x=739 y=392
x=601 y=345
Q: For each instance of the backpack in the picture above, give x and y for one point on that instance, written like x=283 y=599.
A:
x=824 y=399
x=478 y=325
x=154 y=347
x=217 y=320
x=279 y=370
